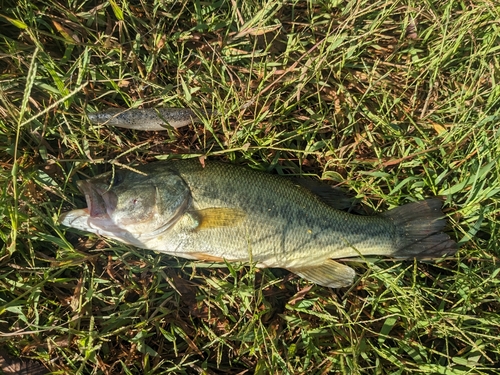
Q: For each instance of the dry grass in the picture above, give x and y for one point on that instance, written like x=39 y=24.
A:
x=395 y=101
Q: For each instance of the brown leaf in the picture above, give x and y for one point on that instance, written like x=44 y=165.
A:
x=411 y=29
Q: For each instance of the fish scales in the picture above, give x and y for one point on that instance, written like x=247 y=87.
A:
x=150 y=119
x=285 y=220
x=220 y=212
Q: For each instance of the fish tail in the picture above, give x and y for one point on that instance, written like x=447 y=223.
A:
x=419 y=226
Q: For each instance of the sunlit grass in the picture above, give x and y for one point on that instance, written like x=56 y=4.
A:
x=393 y=101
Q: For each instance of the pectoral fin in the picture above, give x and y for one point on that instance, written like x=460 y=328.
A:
x=219 y=217
x=331 y=274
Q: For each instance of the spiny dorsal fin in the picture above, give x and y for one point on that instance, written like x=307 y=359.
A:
x=330 y=273
x=217 y=217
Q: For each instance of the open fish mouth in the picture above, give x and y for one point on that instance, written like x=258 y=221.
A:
x=104 y=226
x=96 y=217
x=95 y=203
x=101 y=200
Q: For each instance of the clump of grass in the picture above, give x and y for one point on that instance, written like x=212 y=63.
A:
x=394 y=101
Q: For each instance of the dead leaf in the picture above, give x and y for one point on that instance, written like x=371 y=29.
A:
x=411 y=29
x=70 y=37
x=202 y=160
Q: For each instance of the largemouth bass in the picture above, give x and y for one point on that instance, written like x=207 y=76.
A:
x=220 y=212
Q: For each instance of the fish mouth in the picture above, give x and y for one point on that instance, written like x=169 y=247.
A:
x=83 y=218
x=102 y=226
x=95 y=218
x=95 y=198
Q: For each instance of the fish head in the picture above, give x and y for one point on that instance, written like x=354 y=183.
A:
x=130 y=206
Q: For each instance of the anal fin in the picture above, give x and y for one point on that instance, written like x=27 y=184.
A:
x=331 y=274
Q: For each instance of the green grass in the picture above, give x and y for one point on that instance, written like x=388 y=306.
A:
x=340 y=90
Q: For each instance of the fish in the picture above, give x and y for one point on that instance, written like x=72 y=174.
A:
x=219 y=212
x=149 y=119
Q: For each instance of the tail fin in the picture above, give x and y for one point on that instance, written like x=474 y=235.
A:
x=420 y=225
